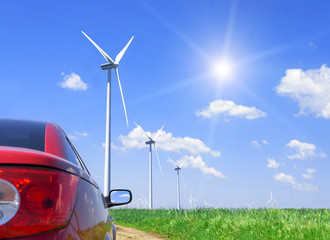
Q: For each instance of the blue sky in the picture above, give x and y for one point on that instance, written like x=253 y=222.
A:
x=261 y=128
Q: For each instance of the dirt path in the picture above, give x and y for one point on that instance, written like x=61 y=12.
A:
x=124 y=233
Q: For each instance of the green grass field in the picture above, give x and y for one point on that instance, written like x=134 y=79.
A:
x=229 y=223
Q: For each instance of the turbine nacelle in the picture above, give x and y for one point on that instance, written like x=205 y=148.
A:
x=107 y=66
x=177 y=167
x=150 y=142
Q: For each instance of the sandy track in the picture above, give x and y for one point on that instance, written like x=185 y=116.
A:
x=124 y=233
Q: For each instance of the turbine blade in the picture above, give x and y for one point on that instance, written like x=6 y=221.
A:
x=160 y=167
x=104 y=54
x=143 y=131
x=121 y=53
x=184 y=184
x=158 y=132
x=172 y=162
x=269 y=201
x=182 y=163
x=122 y=96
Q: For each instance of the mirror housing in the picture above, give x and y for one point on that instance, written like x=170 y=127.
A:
x=119 y=197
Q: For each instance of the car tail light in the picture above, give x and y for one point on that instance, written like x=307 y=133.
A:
x=45 y=197
x=9 y=201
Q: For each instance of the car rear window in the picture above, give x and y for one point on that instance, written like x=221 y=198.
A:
x=21 y=133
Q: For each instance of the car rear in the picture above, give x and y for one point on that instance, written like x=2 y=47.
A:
x=45 y=194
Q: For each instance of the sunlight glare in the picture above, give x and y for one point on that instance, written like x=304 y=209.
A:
x=223 y=69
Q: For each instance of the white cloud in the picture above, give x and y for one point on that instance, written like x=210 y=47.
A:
x=255 y=144
x=73 y=81
x=303 y=150
x=271 y=163
x=197 y=162
x=265 y=142
x=84 y=134
x=309 y=174
x=291 y=181
x=312 y=45
x=113 y=146
x=73 y=137
x=309 y=46
x=309 y=88
x=167 y=142
x=229 y=108
x=124 y=196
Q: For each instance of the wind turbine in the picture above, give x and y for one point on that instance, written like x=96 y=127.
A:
x=177 y=169
x=250 y=205
x=108 y=66
x=150 y=143
x=191 y=201
x=143 y=201
x=271 y=200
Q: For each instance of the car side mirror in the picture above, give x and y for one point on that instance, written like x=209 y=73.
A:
x=119 y=197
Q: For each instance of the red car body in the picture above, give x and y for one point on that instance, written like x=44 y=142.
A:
x=58 y=199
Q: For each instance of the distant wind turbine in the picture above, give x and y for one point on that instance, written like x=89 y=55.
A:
x=143 y=201
x=271 y=200
x=108 y=66
x=151 y=142
x=177 y=169
x=191 y=201
x=250 y=205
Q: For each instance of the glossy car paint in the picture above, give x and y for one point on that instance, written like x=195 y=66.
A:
x=90 y=217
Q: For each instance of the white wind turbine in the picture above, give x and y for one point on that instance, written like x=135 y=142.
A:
x=150 y=143
x=191 y=201
x=250 y=205
x=143 y=201
x=108 y=66
x=177 y=169
x=271 y=200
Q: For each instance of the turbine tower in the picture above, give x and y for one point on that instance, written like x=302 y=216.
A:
x=108 y=66
x=271 y=200
x=177 y=169
x=150 y=143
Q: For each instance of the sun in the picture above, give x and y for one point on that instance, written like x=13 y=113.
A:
x=223 y=69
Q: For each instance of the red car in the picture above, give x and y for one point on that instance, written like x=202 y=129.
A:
x=46 y=191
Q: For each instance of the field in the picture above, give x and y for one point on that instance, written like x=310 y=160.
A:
x=229 y=223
